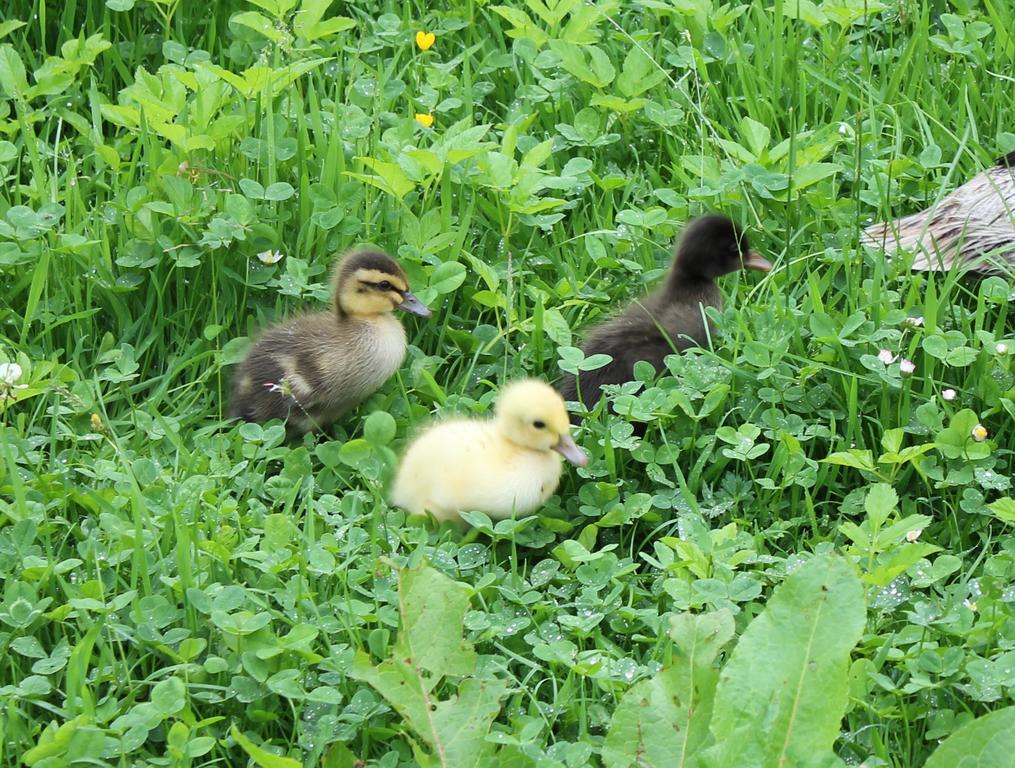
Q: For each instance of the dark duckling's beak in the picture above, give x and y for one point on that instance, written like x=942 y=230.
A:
x=414 y=306
x=569 y=449
x=753 y=261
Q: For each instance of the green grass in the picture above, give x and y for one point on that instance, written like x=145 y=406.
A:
x=167 y=576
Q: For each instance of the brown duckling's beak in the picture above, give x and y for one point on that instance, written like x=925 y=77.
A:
x=569 y=449
x=754 y=261
x=414 y=306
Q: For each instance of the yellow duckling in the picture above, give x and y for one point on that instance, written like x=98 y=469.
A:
x=310 y=370
x=509 y=465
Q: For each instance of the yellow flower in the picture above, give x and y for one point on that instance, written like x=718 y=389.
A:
x=980 y=433
x=96 y=423
x=425 y=40
x=424 y=119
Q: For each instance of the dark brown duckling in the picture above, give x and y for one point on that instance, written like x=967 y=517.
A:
x=311 y=369
x=670 y=319
x=972 y=228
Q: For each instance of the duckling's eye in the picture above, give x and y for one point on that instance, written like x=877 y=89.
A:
x=539 y=424
x=384 y=285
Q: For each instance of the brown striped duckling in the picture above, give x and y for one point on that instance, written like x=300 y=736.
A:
x=671 y=318
x=972 y=228
x=508 y=465
x=311 y=369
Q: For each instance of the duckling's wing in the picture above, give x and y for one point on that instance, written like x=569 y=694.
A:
x=641 y=332
x=973 y=227
x=310 y=369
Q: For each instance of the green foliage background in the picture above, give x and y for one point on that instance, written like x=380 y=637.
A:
x=179 y=592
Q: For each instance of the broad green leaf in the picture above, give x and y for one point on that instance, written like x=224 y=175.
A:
x=432 y=609
x=1003 y=509
x=552 y=13
x=847 y=12
x=664 y=721
x=389 y=177
x=447 y=277
x=9 y=26
x=597 y=70
x=277 y=8
x=957 y=441
x=430 y=646
x=455 y=729
x=280 y=190
x=812 y=173
x=897 y=561
x=523 y=26
x=935 y=346
x=261 y=78
x=757 y=135
x=308 y=22
x=639 y=73
x=260 y=24
x=856 y=458
x=960 y=357
x=13 y=80
x=556 y=327
x=892 y=439
x=986 y=742
x=788 y=671
x=617 y=104
x=169 y=696
x=329 y=27
x=881 y=499
x=805 y=10
x=379 y=428
x=54 y=741
x=538 y=155
x=262 y=757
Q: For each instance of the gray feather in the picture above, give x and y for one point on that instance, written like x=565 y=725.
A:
x=972 y=228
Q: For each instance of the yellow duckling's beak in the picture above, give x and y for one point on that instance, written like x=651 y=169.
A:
x=753 y=260
x=414 y=306
x=569 y=449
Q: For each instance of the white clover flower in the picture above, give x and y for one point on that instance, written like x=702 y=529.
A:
x=980 y=433
x=948 y=394
x=886 y=356
x=270 y=257
x=906 y=367
x=913 y=322
x=1001 y=348
x=970 y=604
x=9 y=373
x=913 y=535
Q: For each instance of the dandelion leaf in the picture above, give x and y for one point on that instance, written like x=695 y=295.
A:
x=430 y=647
x=986 y=742
x=782 y=695
x=664 y=721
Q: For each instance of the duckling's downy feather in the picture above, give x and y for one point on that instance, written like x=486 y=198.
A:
x=973 y=227
x=311 y=369
x=508 y=465
x=671 y=318
x=467 y=455
x=648 y=330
